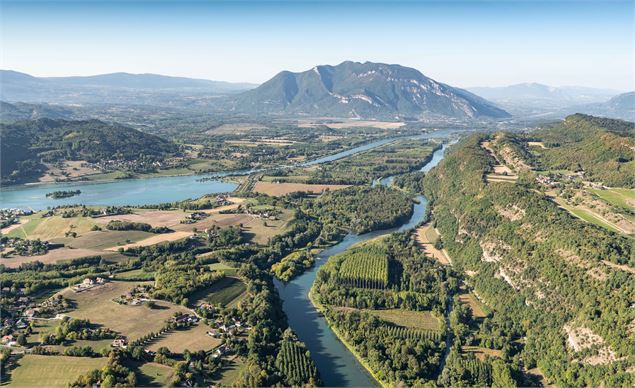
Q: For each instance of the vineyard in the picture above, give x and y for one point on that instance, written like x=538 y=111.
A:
x=409 y=333
x=295 y=363
x=366 y=267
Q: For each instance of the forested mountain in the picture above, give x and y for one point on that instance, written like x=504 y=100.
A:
x=561 y=289
x=27 y=144
x=602 y=149
x=111 y=88
x=24 y=111
x=365 y=90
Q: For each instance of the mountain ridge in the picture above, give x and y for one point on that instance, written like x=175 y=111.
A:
x=362 y=90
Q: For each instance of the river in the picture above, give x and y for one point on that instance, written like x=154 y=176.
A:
x=337 y=366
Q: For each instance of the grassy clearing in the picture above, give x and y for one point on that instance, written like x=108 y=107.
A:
x=152 y=374
x=134 y=275
x=414 y=319
x=132 y=321
x=478 y=310
x=280 y=189
x=52 y=371
x=481 y=353
x=624 y=198
x=230 y=373
x=228 y=270
x=588 y=217
x=193 y=339
x=224 y=291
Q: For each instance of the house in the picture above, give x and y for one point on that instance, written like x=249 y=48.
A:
x=30 y=313
x=120 y=343
x=21 y=324
x=7 y=338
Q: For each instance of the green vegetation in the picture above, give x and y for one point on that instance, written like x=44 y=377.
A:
x=28 y=144
x=399 y=157
x=295 y=362
x=623 y=198
x=63 y=194
x=292 y=265
x=365 y=267
x=362 y=209
x=601 y=148
x=539 y=269
x=59 y=370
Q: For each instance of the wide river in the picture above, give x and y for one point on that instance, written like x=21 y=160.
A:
x=337 y=366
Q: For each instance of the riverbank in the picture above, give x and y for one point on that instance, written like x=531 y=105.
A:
x=319 y=307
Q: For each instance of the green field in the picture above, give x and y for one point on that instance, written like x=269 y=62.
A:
x=57 y=370
x=228 y=270
x=414 y=319
x=224 y=292
x=588 y=217
x=624 y=198
x=229 y=374
x=135 y=275
x=154 y=375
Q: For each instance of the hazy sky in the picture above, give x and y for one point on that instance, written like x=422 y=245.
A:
x=463 y=43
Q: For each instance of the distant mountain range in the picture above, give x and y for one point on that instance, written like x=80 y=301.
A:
x=363 y=90
x=621 y=106
x=110 y=88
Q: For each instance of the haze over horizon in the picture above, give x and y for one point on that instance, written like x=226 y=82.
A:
x=465 y=44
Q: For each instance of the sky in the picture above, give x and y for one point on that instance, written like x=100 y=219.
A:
x=462 y=43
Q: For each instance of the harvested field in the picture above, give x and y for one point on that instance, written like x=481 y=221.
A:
x=426 y=236
x=156 y=239
x=501 y=178
x=192 y=339
x=482 y=353
x=234 y=128
x=97 y=305
x=99 y=240
x=280 y=189
x=155 y=218
x=52 y=256
x=58 y=370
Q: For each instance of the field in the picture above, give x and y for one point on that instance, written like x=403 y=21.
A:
x=423 y=320
x=69 y=169
x=624 y=198
x=57 y=370
x=481 y=353
x=280 y=189
x=224 y=268
x=426 y=236
x=52 y=256
x=354 y=124
x=475 y=305
x=588 y=216
x=51 y=228
x=155 y=239
x=132 y=321
x=155 y=375
x=153 y=217
x=230 y=372
x=224 y=292
x=105 y=239
x=193 y=339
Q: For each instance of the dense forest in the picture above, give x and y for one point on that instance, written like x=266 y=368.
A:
x=601 y=148
x=28 y=144
x=543 y=271
x=361 y=209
